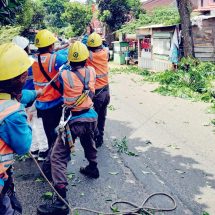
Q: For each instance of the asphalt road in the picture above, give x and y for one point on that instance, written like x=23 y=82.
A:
x=174 y=142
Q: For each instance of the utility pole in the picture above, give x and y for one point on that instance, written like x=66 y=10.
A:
x=184 y=8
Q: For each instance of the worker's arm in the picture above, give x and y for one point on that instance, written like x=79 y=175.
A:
x=62 y=47
x=29 y=96
x=17 y=133
x=60 y=61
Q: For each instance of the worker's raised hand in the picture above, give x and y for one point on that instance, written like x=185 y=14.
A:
x=39 y=92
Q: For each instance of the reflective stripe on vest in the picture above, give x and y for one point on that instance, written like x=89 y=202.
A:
x=30 y=77
x=67 y=99
x=7 y=107
x=101 y=76
x=91 y=55
x=5 y=158
x=74 y=83
x=41 y=84
x=51 y=61
x=48 y=61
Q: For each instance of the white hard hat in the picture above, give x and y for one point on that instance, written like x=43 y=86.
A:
x=22 y=42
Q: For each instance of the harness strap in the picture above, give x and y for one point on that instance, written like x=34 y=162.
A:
x=84 y=80
x=71 y=83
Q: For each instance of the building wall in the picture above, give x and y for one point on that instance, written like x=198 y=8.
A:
x=157 y=59
x=204 y=40
x=206 y=5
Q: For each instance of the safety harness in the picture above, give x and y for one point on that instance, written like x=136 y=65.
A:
x=63 y=129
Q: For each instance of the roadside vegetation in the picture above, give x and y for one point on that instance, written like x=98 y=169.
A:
x=163 y=15
x=193 y=80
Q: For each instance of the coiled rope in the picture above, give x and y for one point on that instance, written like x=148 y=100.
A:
x=137 y=210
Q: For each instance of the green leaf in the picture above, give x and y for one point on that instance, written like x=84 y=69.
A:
x=113 y=173
x=47 y=195
x=71 y=176
x=40 y=180
x=115 y=209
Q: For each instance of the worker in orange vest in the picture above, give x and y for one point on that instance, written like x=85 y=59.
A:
x=15 y=133
x=77 y=80
x=49 y=105
x=98 y=59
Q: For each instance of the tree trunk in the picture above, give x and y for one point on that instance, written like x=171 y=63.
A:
x=184 y=7
x=109 y=36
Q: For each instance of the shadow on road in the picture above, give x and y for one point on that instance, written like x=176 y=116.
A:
x=161 y=170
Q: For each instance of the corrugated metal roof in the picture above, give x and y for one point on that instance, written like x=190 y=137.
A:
x=156 y=26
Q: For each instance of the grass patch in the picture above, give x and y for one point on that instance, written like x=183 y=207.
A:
x=22 y=157
x=122 y=146
x=194 y=80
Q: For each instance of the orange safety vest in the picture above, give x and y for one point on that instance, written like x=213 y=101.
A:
x=7 y=107
x=75 y=82
x=99 y=61
x=48 y=63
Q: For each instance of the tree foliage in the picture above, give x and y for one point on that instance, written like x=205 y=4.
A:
x=114 y=12
x=25 y=16
x=24 y=13
x=136 y=9
x=90 y=2
x=39 y=15
x=165 y=15
x=8 y=11
x=7 y=33
x=54 y=10
x=78 y=16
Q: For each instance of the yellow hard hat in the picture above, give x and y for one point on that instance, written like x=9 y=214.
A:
x=14 y=61
x=94 y=40
x=78 y=52
x=44 y=38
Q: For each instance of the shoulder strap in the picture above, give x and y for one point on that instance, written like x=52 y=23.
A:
x=53 y=84
x=84 y=80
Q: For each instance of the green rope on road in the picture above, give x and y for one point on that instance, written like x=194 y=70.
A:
x=138 y=210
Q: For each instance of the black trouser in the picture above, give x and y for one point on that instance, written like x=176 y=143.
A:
x=8 y=201
x=101 y=101
x=60 y=154
x=51 y=119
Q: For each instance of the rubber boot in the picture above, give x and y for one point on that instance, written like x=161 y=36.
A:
x=91 y=170
x=57 y=207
